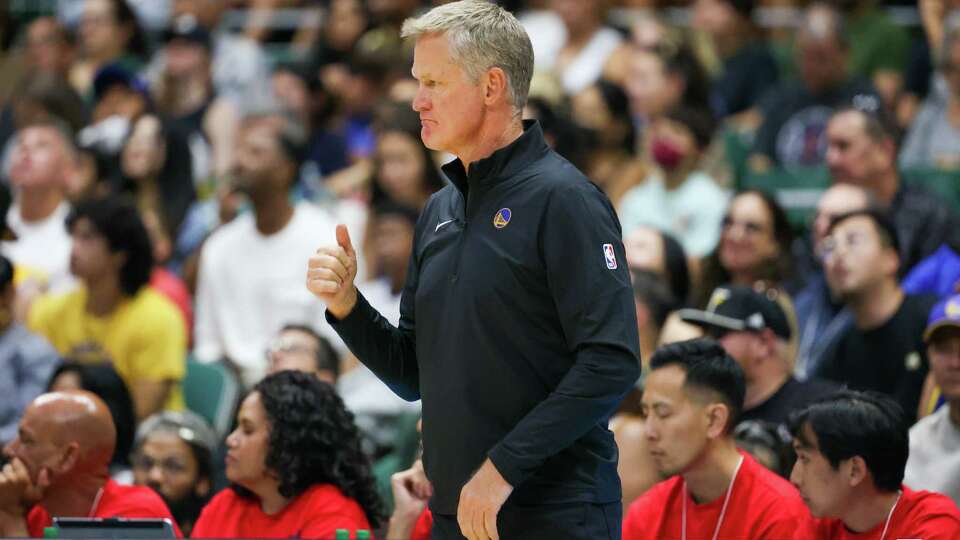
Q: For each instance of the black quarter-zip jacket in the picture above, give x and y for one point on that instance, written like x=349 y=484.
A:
x=517 y=329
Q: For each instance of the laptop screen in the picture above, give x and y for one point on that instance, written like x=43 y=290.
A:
x=114 y=528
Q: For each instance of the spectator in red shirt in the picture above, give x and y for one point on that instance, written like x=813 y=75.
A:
x=411 y=519
x=295 y=464
x=173 y=455
x=59 y=466
x=691 y=400
x=852 y=450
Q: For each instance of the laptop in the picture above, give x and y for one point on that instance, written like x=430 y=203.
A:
x=114 y=528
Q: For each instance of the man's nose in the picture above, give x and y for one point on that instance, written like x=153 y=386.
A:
x=795 y=475
x=650 y=431
x=420 y=101
x=155 y=474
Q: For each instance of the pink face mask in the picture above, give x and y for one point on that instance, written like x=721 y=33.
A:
x=666 y=154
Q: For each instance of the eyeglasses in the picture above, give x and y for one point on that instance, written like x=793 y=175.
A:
x=169 y=466
x=750 y=227
x=853 y=241
x=289 y=347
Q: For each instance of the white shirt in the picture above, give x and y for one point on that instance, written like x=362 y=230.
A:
x=42 y=247
x=692 y=212
x=251 y=285
x=934 y=462
x=548 y=36
x=588 y=65
x=241 y=71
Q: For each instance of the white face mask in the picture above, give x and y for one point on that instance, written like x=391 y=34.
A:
x=107 y=136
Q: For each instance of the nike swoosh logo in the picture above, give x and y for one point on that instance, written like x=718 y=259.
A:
x=441 y=224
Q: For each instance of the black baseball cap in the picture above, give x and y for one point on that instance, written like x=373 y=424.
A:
x=187 y=28
x=740 y=309
x=118 y=74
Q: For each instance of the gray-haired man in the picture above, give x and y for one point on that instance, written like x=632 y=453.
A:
x=517 y=325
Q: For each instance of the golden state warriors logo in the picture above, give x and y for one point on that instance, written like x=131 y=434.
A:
x=502 y=218
x=718 y=297
x=952 y=309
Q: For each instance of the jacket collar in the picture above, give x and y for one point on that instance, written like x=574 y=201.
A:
x=503 y=163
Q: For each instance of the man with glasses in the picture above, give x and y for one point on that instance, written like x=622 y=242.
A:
x=753 y=329
x=821 y=319
x=883 y=350
x=300 y=348
x=173 y=454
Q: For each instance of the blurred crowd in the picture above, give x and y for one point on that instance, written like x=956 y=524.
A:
x=786 y=174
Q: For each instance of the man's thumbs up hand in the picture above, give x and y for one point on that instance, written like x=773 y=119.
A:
x=331 y=272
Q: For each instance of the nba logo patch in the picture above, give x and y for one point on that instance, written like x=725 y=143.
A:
x=502 y=218
x=610 y=256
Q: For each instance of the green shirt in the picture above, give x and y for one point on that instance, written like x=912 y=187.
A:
x=876 y=44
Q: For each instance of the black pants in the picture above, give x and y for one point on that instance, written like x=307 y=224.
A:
x=575 y=521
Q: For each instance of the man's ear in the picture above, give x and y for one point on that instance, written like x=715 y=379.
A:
x=718 y=414
x=69 y=459
x=495 y=86
x=856 y=471
x=118 y=258
x=891 y=261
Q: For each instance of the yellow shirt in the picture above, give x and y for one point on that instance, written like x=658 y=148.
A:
x=144 y=337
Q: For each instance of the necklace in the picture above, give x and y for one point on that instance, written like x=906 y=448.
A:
x=96 y=501
x=886 y=525
x=723 y=509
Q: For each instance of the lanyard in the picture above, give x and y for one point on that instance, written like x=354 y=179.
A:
x=886 y=525
x=96 y=501
x=723 y=509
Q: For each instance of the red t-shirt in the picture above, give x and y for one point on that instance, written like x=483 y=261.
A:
x=116 y=501
x=920 y=515
x=763 y=506
x=316 y=513
x=172 y=287
x=421 y=530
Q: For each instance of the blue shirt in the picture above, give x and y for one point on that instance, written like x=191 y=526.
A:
x=26 y=362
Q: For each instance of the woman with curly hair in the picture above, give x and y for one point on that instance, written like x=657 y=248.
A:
x=296 y=467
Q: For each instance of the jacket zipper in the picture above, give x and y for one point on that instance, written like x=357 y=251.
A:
x=455 y=274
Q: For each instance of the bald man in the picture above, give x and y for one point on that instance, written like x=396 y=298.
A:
x=58 y=466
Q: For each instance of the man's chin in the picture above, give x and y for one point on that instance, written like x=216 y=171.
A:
x=428 y=140
x=817 y=513
x=666 y=471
